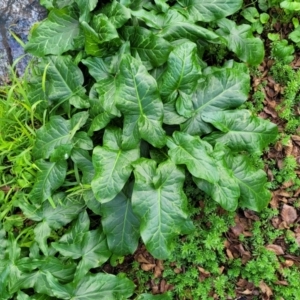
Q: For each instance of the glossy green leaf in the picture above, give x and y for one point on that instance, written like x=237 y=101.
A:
x=79 y=227
x=93 y=287
x=162 y=5
x=120 y=225
x=183 y=71
x=195 y=153
x=83 y=161
x=55 y=35
x=171 y=116
x=91 y=248
x=207 y=11
x=54 y=133
x=61 y=152
x=106 y=89
x=50 y=177
x=226 y=191
x=252 y=182
x=173 y=26
x=159 y=201
x=284 y=52
x=289 y=5
x=64 y=81
x=97 y=67
x=100 y=32
x=117 y=13
x=63 y=271
x=153 y=51
x=240 y=130
x=112 y=165
x=66 y=210
x=83 y=141
x=79 y=119
x=41 y=233
x=221 y=89
x=139 y=101
x=85 y=7
x=241 y=41
x=251 y=14
x=295 y=36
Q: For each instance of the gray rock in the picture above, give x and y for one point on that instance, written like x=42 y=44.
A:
x=17 y=16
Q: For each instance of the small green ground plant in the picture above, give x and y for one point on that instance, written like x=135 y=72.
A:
x=130 y=110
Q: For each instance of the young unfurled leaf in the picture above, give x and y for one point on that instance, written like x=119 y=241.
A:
x=221 y=89
x=239 y=130
x=195 y=154
x=139 y=101
x=98 y=35
x=153 y=51
x=160 y=203
x=56 y=35
x=241 y=41
x=120 y=224
x=183 y=71
x=112 y=165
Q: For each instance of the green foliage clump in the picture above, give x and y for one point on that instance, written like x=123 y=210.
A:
x=130 y=110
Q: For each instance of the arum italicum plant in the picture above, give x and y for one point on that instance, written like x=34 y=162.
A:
x=131 y=106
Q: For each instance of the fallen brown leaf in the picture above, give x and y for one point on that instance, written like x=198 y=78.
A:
x=246 y=292
x=288 y=263
x=288 y=214
x=157 y=272
x=265 y=289
x=141 y=259
x=275 y=248
x=203 y=271
x=147 y=267
x=288 y=149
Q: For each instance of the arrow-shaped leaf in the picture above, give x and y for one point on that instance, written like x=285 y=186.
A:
x=93 y=287
x=56 y=35
x=183 y=70
x=195 y=154
x=112 y=165
x=207 y=11
x=240 y=130
x=159 y=201
x=139 y=101
x=120 y=225
x=50 y=177
x=54 y=133
x=91 y=248
x=252 y=182
x=226 y=191
x=241 y=41
x=221 y=89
